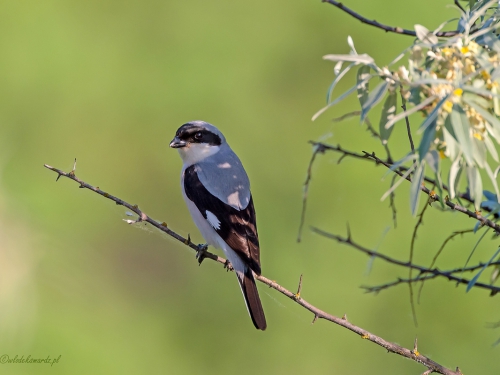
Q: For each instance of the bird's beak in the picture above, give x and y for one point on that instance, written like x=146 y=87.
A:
x=177 y=143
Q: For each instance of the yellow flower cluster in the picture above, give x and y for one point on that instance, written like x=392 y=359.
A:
x=459 y=65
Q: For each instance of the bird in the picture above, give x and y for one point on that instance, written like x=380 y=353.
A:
x=216 y=190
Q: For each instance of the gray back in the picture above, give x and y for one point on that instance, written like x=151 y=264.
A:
x=223 y=176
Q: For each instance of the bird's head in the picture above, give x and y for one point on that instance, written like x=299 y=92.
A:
x=197 y=140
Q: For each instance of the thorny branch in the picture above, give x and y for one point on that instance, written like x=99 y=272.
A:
x=318 y=314
x=386 y=28
x=400 y=171
x=426 y=276
x=422 y=270
x=454 y=206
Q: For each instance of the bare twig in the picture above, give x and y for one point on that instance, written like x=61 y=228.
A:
x=423 y=270
x=434 y=260
x=377 y=135
x=345 y=116
x=392 y=203
x=318 y=314
x=386 y=28
x=420 y=221
x=378 y=288
x=369 y=127
x=408 y=129
x=427 y=275
x=317 y=149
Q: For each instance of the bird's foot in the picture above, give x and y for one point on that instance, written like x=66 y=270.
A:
x=201 y=253
x=228 y=266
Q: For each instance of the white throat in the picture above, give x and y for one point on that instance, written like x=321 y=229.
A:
x=195 y=152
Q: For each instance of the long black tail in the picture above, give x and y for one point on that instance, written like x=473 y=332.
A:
x=252 y=299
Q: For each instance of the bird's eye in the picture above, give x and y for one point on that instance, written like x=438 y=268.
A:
x=198 y=135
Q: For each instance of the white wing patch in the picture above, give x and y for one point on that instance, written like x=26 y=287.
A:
x=212 y=219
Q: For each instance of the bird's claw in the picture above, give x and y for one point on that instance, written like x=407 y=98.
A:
x=201 y=253
x=228 y=266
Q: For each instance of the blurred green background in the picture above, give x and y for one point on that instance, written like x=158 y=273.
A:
x=109 y=82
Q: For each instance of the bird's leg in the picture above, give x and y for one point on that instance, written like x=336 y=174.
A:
x=228 y=266
x=201 y=253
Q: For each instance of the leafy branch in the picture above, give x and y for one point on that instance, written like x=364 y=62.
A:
x=454 y=83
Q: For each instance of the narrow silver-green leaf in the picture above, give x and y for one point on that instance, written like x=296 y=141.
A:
x=427 y=138
x=360 y=59
x=337 y=68
x=479 y=152
x=431 y=118
x=351 y=44
x=398 y=182
x=454 y=177
x=336 y=80
x=341 y=97
x=425 y=35
x=479 y=91
x=410 y=111
x=416 y=184
x=461 y=127
x=434 y=161
x=363 y=84
x=399 y=163
x=493 y=180
x=373 y=98
x=491 y=147
x=388 y=112
x=467 y=96
x=476 y=277
x=452 y=148
x=496 y=101
x=475 y=185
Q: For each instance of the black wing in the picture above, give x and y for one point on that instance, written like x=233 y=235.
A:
x=237 y=228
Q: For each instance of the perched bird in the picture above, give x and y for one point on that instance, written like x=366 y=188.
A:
x=216 y=189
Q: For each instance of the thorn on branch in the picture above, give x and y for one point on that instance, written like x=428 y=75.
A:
x=315 y=318
x=297 y=295
x=72 y=173
x=344 y=317
x=415 y=348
